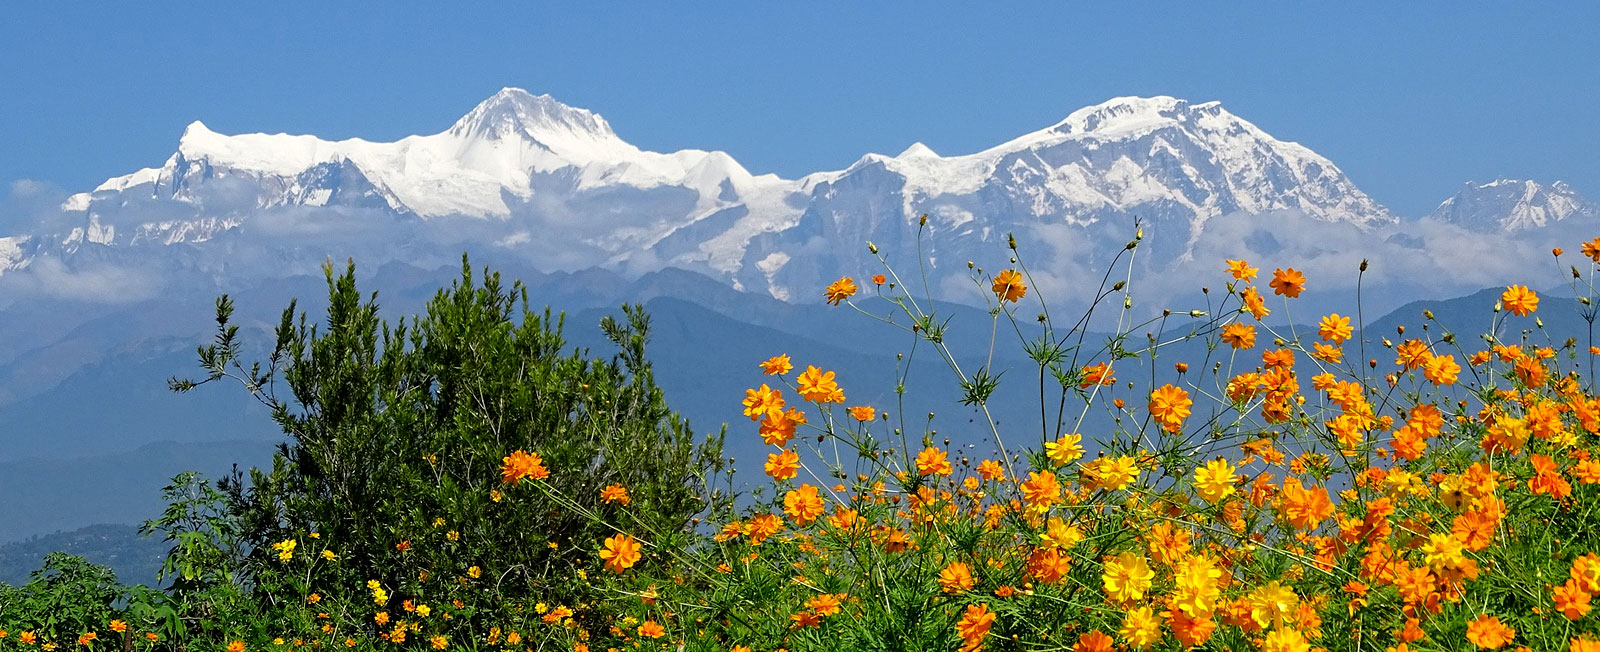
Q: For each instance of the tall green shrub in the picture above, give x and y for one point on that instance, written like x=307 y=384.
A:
x=397 y=434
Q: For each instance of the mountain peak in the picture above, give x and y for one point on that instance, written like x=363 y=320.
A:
x=918 y=150
x=1513 y=204
x=516 y=111
x=1121 y=115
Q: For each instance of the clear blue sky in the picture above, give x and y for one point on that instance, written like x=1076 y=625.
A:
x=1410 y=100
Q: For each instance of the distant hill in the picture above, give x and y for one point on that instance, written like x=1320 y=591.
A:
x=135 y=559
x=41 y=497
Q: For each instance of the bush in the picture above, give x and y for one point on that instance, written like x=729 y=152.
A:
x=397 y=471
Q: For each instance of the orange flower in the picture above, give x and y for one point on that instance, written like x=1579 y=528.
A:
x=652 y=629
x=783 y=465
x=522 y=464
x=1571 y=600
x=1239 y=336
x=818 y=386
x=991 y=470
x=777 y=365
x=1305 y=509
x=974 y=626
x=236 y=646
x=89 y=637
x=1442 y=369
x=803 y=505
x=840 y=290
x=932 y=461
x=956 y=577
x=615 y=493
x=761 y=402
x=777 y=428
x=1008 y=286
x=1489 y=633
x=1041 y=490
x=1520 y=300
x=1098 y=373
x=620 y=553
x=1095 y=641
x=119 y=626
x=807 y=618
x=1254 y=304
x=1592 y=249
x=826 y=604
x=878 y=279
x=1170 y=406
x=1335 y=328
x=1240 y=270
x=1288 y=282
x=863 y=413
x=763 y=526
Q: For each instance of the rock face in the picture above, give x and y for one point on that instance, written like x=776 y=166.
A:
x=1513 y=205
x=531 y=177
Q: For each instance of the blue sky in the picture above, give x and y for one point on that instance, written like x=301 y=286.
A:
x=1410 y=100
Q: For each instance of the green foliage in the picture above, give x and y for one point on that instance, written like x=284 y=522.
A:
x=64 y=598
x=397 y=437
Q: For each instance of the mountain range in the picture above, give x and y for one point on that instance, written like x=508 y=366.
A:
x=107 y=297
x=555 y=186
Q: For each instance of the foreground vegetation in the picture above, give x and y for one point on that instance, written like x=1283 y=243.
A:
x=457 y=481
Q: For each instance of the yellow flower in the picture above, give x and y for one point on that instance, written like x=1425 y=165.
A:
x=329 y=555
x=1272 y=605
x=1140 y=628
x=285 y=549
x=1065 y=448
x=1215 y=480
x=1127 y=577
x=1112 y=473
x=1058 y=534
x=1285 y=639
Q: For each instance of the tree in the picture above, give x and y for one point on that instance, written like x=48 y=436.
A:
x=397 y=435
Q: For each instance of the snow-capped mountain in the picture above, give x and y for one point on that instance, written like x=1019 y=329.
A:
x=1514 y=204
x=531 y=176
